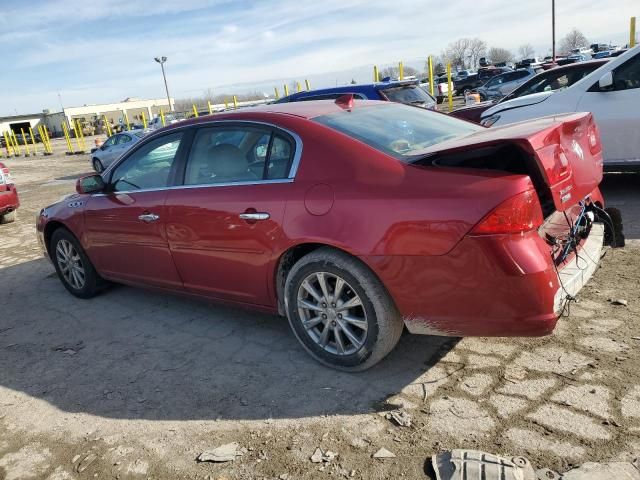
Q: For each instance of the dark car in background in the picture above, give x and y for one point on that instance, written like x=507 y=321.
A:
x=471 y=82
x=554 y=79
x=400 y=91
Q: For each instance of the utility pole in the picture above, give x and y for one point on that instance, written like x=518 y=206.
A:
x=553 y=30
x=161 y=61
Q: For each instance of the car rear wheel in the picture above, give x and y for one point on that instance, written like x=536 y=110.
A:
x=340 y=312
x=8 y=217
x=74 y=268
x=97 y=165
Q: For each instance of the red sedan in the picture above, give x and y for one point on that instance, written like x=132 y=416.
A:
x=352 y=218
x=9 y=201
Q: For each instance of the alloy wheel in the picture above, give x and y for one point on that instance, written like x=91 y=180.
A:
x=70 y=264
x=332 y=313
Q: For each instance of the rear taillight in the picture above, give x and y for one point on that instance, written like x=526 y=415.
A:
x=518 y=214
x=555 y=162
x=593 y=136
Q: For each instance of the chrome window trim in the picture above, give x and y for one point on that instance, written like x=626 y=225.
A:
x=200 y=185
x=293 y=170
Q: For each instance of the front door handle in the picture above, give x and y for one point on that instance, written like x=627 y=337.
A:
x=255 y=216
x=148 y=217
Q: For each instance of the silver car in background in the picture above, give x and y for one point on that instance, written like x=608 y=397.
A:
x=113 y=147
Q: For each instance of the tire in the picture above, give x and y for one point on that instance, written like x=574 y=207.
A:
x=97 y=165
x=8 y=217
x=376 y=311
x=64 y=243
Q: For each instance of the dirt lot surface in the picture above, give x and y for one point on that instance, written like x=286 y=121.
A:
x=135 y=384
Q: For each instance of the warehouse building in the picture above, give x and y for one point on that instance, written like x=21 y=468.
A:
x=130 y=109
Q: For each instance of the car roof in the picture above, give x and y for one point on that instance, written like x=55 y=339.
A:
x=354 y=88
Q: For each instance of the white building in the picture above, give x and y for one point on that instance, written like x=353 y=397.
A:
x=115 y=113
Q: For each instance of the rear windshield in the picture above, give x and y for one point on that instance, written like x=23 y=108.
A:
x=398 y=130
x=407 y=94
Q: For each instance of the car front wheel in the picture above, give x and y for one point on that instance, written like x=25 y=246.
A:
x=8 y=217
x=97 y=165
x=74 y=268
x=340 y=312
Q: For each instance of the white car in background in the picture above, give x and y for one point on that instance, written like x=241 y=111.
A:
x=611 y=93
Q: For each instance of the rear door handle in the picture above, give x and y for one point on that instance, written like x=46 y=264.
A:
x=255 y=216
x=148 y=217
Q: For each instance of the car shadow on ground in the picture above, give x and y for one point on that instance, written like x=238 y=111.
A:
x=622 y=191
x=134 y=354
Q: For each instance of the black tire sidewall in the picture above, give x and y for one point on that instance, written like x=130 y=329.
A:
x=344 y=361
x=91 y=277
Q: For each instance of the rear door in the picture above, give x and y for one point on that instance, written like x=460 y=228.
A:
x=617 y=113
x=225 y=222
x=125 y=232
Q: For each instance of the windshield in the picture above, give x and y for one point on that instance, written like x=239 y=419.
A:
x=551 y=82
x=398 y=130
x=407 y=94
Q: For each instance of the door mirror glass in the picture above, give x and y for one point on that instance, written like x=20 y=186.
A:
x=606 y=81
x=90 y=184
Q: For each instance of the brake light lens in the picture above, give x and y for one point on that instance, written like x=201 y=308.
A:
x=555 y=162
x=518 y=214
x=593 y=135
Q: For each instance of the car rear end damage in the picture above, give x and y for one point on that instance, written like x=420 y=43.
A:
x=516 y=270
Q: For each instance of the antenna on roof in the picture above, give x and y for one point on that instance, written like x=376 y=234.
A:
x=345 y=101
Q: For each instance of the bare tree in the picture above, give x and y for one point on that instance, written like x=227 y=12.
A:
x=465 y=52
x=526 y=50
x=574 y=39
x=500 y=55
x=438 y=66
x=394 y=72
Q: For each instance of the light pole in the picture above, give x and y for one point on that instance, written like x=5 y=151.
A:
x=161 y=61
x=553 y=30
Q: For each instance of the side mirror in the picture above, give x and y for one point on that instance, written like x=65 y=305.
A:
x=90 y=184
x=606 y=81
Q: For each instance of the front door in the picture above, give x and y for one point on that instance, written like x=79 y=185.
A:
x=224 y=225
x=126 y=226
x=616 y=113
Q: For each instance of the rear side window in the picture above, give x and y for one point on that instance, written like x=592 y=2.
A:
x=627 y=75
x=396 y=129
x=237 y=154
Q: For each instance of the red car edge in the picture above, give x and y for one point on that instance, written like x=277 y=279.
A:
x=384 y=216
x=9 y=201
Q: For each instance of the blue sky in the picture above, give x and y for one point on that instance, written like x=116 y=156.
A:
x=97 y=52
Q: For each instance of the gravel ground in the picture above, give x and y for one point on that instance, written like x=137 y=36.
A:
x=134 y=384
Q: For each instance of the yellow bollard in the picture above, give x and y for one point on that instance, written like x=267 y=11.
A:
x=126 y=120
x=82 y=141
x=46 y=135
x=25 y=143
x=8 y=145
x=376 y=74
x=144 y=120
x=195 y=111
x=235 y=103
x=286 y=91
x=162 y=117
x=307 y=84
x=400 y=71
x=275 y=89
x=75 y=130
x=209 y=105
x=450 y=93
x=298 y=89
x=107 y=125
x=33 y=141
x=67 y=137
x=226 y=105
x=15 y=142
x=44 y=142
x=431 y=85
x=632 y=33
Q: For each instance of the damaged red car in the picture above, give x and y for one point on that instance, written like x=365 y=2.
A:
x=354 y=219
x=9 y=201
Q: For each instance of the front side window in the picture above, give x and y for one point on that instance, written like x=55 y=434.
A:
x=237 y=154
x=398 y=130
x=627 y=75
x=110 y=141
x=148 y=167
